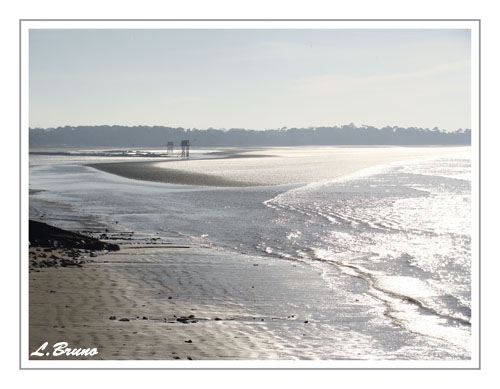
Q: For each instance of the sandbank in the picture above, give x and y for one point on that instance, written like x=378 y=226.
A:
x=265 y=166
x=148 y=171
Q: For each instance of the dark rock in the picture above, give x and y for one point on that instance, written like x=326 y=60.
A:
x=44 y=235
x=188 y=341
x=184 y=319
x=124 y=319
x=112 y=318
x=66 y=263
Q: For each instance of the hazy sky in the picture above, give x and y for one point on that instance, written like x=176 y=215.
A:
x=250 y=78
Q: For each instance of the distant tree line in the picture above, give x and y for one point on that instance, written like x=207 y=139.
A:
x=152 y=136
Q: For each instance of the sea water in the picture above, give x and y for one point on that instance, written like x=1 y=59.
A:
x=392 y=243
x=405 y=230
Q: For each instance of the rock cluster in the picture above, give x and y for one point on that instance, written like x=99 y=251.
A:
x=44 y=235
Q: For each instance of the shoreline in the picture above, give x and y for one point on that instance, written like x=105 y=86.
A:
x=169 y=303
x=263 y=169
x=186 y=301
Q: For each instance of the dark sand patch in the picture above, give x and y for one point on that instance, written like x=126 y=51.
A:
x=148 y=171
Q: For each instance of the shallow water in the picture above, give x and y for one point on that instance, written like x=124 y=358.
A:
x=392 y=244
x=407 y=234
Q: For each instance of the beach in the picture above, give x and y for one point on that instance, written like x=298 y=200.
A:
x=174 y=292
x=171 y=303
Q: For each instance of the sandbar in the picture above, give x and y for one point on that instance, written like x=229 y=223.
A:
x=267 y=166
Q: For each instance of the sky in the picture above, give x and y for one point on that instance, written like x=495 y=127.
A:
x=250 y=78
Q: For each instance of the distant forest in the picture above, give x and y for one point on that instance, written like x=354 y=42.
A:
x=158 y=136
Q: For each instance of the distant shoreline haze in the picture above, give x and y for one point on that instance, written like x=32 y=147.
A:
x=157 y=136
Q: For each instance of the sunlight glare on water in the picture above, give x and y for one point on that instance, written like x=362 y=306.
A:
x=391 y=243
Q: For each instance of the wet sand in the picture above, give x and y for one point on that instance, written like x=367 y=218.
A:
x=265 y=166
x=172 y=303
x=148 y=171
